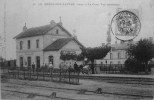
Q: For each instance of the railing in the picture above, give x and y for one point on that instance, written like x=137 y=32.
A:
x=58 y=75
x=121 y=68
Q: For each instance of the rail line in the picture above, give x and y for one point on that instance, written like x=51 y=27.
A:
x=103 y=92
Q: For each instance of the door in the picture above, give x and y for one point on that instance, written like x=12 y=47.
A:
x=29 y=61
x=37 y=61
x=21 y=61
x=51 y=59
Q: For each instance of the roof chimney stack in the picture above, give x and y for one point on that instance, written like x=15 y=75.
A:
x=60 y=21
x=24 y=28
x=52 y=23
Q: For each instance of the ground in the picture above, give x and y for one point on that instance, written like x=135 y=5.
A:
x=41 y=90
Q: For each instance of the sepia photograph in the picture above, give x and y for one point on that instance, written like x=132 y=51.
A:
x=77 y=49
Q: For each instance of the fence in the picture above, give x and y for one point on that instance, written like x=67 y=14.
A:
x=58 y=75
x=121 y=68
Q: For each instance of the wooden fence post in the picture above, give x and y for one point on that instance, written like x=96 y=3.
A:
x=60 y=74
x=78 y=77
x=18 y=72
x=24 y=73
x=43 y=74
x=30 y=74
x=37 y=74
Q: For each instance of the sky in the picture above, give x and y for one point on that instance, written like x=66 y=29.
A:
x=89 y=18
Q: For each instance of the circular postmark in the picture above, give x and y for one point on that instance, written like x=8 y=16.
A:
x=125 y=25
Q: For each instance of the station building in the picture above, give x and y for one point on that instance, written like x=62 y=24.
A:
x=44 y=44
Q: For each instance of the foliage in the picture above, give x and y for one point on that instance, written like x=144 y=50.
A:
x=143 y=51
x=70 y=56
x=95 y=53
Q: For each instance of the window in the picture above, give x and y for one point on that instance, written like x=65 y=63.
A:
x=21 y=61
x=57 y=31
x=111 y=62
x=38 y=61
x=119 y=56
x=111 y=56
x=28 y=44
x=37 y=43
x=29 y=61
x=21 y=45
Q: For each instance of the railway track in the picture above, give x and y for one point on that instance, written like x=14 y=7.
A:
x=122 y=80
x=77 y=90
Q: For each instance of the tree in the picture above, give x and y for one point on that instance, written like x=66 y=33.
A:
x=95 y=53
x=142 y=51
x=71 y=56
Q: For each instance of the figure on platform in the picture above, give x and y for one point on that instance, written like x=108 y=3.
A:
x=75 y=66
x=50 y=65
x=33 y=66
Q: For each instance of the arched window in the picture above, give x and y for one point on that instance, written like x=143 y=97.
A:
x=57 y=31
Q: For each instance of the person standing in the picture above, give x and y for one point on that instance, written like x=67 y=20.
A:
x=75 y=66
x=33 y=66
x=50 y=65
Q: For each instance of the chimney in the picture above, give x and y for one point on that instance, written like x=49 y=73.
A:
x=24 y=28
x=52 y=23
x=60 y=23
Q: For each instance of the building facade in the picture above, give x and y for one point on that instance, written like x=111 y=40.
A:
x=117 y=55
x=41 y=45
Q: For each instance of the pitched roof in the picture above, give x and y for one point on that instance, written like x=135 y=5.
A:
x=41 y=30
x=59 y=43
x=121 y=46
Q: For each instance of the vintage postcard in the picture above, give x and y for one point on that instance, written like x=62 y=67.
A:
x=77 y=49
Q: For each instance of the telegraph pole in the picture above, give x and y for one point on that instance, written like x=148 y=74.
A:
x=4 y=31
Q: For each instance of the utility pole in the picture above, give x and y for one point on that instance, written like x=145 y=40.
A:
x=4 y=47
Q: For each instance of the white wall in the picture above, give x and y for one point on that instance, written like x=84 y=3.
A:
x=115 y=58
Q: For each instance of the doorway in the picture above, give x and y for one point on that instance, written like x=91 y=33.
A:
x=38 y=61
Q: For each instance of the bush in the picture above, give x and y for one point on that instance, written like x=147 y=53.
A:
x=133 y=66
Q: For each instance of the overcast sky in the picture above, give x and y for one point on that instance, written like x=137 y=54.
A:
x=89 y=21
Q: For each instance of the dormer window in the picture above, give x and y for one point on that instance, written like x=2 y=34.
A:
x=57 y=31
